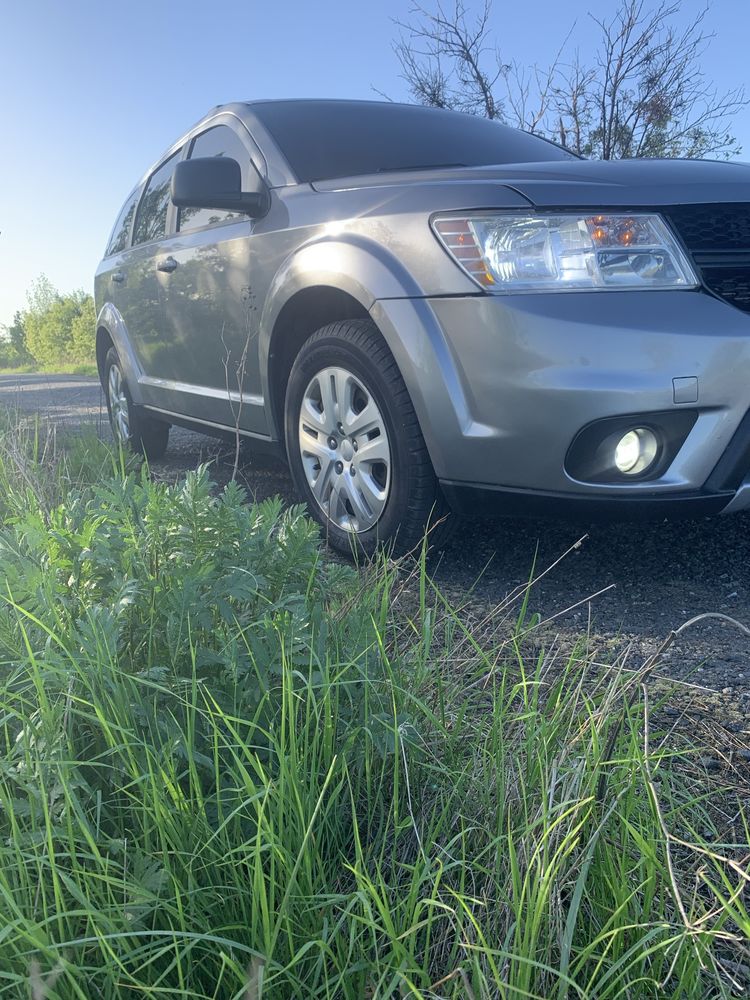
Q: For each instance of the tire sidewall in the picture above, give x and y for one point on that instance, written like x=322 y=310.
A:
x=331 y=351
x=110 y=361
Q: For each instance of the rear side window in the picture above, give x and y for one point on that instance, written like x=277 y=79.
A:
x=217 y=141
x=151 y=220
x=120 y=237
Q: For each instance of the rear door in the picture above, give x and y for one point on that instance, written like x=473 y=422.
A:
x=211 y=343
x=111 y=274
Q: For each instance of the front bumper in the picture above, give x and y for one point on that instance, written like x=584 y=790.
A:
x=493 y=501
x=502 y=385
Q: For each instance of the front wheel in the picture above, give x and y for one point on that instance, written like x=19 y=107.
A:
x=354 y=444
x=132 y=427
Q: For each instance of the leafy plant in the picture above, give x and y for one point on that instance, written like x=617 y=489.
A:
x=230 y=768
x=55 y=329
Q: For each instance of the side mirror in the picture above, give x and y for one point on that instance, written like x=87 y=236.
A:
x=216 y=182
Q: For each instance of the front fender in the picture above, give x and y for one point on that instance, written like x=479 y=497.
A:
x=361 y=267
x=111 y=320
x=377 y=280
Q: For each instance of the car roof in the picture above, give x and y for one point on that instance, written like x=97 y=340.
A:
x=276 y=169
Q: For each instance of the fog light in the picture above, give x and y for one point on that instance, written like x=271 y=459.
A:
x=635 y=451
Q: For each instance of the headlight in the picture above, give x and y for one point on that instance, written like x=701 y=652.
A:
x=507 y=252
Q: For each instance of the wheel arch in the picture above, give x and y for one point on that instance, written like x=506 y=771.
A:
x=103 y=344
x=112 y=332
x=332 y=277
x=305 y=312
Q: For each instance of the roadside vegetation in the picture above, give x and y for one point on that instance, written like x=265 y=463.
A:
x=55 y=333
x=232 y=768
x=89 y=369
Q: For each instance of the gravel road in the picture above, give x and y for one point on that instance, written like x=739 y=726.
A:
x=658 y=574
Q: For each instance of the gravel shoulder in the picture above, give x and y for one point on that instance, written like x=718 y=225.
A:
x=622 y=589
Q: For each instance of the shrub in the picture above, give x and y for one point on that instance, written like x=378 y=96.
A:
x=13 y=350
x=59 y=329
x=64 y=332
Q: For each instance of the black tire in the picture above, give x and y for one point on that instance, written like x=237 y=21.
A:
x=414 y=502
x=140 y=432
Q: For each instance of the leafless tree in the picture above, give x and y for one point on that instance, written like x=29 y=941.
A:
x=643 y=92
x=447 y=60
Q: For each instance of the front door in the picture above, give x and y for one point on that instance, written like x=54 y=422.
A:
x=211 y=335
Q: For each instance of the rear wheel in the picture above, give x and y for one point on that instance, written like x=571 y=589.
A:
x=132 y=426
x=355 y=448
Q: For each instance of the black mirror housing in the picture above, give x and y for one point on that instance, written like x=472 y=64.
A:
x=216 y=182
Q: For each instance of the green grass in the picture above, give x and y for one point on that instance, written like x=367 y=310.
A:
x=232 y=769
x=81 y=368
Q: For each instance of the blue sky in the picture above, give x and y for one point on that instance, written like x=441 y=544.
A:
x=92 y=92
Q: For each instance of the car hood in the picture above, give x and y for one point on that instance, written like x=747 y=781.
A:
x=586 y=183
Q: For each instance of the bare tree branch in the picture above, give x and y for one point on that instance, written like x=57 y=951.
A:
x=643 y=93
x=443 y=54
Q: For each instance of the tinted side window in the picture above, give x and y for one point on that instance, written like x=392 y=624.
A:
x=217 y=141
x=120 y=237
x=151 y=220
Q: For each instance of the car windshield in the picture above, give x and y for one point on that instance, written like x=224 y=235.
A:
x=322 y=140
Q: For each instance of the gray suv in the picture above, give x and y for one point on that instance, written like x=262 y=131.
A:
x=430 y=312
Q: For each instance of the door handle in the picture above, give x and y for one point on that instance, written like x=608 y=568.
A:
x=119 y=277
x=169 y=264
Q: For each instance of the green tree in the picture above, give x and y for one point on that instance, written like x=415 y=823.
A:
x=83 y=331
x=59 y=329
x=41 y=295
x=13 y=349
x=17 y=338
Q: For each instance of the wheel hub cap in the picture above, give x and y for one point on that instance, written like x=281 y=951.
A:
x=118 y=405
x=346 y=454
